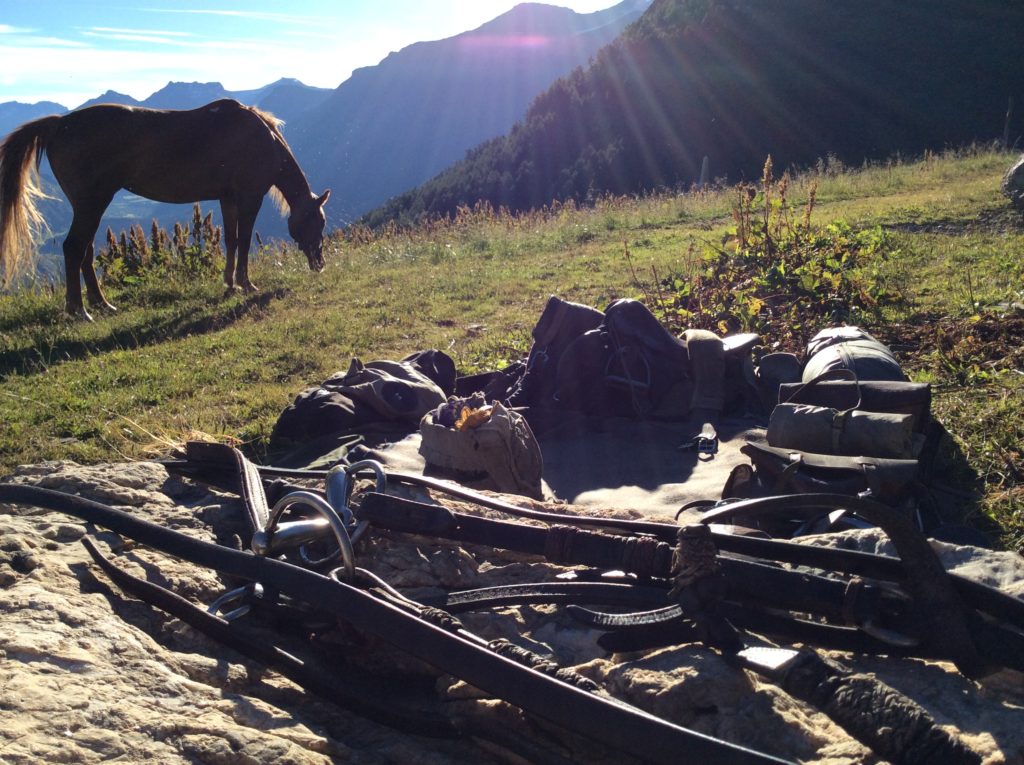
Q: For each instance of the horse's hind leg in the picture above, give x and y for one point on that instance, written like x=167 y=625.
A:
x=76 y=246
x=92 y=284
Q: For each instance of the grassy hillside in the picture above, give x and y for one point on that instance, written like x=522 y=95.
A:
x=945 y=252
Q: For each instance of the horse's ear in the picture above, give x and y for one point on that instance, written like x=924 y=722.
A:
x=322 y=199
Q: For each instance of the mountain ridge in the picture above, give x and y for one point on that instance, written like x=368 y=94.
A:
x=736 y=82
x=423 y=107
x=175 y=94
x=396 y=124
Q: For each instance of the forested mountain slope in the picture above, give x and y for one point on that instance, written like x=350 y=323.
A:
x=735 y=81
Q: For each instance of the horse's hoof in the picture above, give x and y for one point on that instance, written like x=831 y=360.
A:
x=105 y=307
x=250 y=287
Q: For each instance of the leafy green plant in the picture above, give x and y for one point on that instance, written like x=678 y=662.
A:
x=777 y=273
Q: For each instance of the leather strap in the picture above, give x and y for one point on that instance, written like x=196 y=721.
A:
x=248 y=483
x=854 y=562
x=352 y=689
x=615 y=724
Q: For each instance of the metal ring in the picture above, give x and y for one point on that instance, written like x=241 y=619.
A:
x=316 y=563
x=376 y=467
x=320 y=505
x=359 y=530
x=339 y=486
x=338 y=489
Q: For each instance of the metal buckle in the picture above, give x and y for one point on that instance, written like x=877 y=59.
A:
x=707 y=441
x=264 y=543
x=708 y=446
x=247 y=592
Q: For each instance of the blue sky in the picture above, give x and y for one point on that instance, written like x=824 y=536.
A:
x=69 y=51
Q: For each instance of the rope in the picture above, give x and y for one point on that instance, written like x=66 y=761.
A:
x=642 y=555
x=646 y=556
x=509 y=650
x=892 y=725
x=695 y=556
x=440 y=618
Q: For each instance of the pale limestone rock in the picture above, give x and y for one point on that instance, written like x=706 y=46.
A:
x=89 y=675
x=1013 y=184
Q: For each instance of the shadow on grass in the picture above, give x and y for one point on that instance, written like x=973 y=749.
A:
x=26 y=360
x=953 y=498
x=999 y=220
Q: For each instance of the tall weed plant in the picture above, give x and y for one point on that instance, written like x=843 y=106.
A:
x=777 y=273
x=191 y=250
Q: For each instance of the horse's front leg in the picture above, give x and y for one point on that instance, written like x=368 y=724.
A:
x=229 y=212
x=246 y=223
x=229 y=269
x=242 y=271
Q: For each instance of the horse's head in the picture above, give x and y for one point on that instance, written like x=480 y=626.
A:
x=306 y=226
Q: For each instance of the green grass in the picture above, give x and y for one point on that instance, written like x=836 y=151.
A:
x=181 y=356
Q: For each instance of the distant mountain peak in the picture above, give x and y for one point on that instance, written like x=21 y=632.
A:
x=185 y=95
x=111 y=97
x=178 y=88
x=182 y=85
x=527 y=18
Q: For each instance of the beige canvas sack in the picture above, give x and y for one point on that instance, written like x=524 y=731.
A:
x=502 y=446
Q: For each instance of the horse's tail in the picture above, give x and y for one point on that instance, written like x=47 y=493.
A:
x=20 y=154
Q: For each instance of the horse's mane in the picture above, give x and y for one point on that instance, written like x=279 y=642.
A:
x=274 y=124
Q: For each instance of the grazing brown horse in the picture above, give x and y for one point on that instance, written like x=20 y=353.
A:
x=224 y=151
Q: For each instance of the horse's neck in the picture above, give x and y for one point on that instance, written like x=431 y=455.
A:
x=292 y=183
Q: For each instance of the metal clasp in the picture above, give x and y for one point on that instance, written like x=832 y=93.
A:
x=265 y=543
x=705 y=442
x=244 y=595
x=335 y=517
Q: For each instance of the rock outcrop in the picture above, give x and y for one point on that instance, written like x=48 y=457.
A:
x=1013 y=184
x=88 y=674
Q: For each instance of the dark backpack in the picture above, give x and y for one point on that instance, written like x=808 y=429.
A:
x=625 y=367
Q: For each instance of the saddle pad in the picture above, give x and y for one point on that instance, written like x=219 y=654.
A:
x=619 y=463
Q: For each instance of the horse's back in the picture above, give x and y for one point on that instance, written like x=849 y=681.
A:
x=165 y=155
x=143 y=121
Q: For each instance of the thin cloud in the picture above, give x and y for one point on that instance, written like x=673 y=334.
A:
x=26 y=39
x=277 y=18
x=154 y=38
x=175 y=39
x=148 y=32
x=310 y=34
